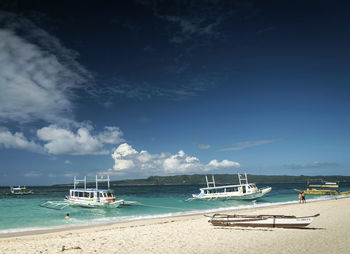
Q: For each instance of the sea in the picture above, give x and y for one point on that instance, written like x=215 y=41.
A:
x=20 y=213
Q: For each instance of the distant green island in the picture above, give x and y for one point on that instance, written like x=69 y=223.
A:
x=225 y=179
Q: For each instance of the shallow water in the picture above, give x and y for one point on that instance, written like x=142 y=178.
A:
x=21 y=213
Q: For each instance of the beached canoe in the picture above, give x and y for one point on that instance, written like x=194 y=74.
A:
x=275 y=221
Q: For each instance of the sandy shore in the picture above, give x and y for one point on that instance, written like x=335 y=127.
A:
x=329 y=233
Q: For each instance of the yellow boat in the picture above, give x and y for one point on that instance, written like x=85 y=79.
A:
x=324 y=185
x=323 y=192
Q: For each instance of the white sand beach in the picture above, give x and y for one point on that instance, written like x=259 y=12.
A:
x=328 y=233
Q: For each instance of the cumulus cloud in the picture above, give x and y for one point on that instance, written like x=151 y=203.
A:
x=64 y=141
x=37 y=75
x=126 y=158
x=111 y=135
x=17 y=141
x=39 y=78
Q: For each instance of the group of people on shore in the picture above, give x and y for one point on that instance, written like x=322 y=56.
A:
x=302 y=199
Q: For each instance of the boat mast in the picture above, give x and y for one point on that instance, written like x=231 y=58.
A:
x=240 y=178
x=212 y=182
x=102 y=180
x=77 y=181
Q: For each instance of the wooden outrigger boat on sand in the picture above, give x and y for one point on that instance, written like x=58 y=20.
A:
x=273 y=221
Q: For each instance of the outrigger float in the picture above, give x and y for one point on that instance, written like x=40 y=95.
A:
x=244 y=190
x=88 y=197
x=273 y=221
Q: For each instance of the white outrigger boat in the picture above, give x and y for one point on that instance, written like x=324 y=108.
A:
x=243 y=190
x=93 y=197
x=274 y=221
x=88 y=197
x=20 y=190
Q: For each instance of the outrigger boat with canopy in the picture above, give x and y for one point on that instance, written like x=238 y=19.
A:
x=323 y=188
x=88 y=197
x=20 y=190
x=273 y=221
x=243 y=190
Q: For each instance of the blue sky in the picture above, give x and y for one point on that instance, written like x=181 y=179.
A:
x=141 y=88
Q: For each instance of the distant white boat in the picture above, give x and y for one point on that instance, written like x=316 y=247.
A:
x=243 y=190
x=20 y=190
x=275 y=221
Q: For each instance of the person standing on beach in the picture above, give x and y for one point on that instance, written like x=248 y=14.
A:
x=303 y=200
x=300 y=197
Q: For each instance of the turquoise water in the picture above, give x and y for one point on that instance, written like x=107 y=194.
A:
x=22 y=213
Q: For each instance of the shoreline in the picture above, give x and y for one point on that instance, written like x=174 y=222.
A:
x=197 y=213
x=328 y=233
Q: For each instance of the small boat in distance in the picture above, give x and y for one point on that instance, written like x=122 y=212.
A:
x=20 y=190
x=323 y=188
x=273 y=221
x=243 y=190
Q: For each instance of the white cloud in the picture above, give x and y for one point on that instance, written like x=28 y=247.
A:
x=58 y=140
x=64 y=141
x=39 y=78
x=246 y=144
x=126 y=158
x=111 y=135
x=223 y=164
x=17 y=141
x=37 y=75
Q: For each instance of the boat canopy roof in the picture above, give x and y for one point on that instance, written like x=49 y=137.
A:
x=95 y=190
x=227 y=186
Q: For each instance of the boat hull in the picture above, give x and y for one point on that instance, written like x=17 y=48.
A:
x=89 y=204
x=22 y=193
x=272 y=221
x=324 y=192
x=234 y=196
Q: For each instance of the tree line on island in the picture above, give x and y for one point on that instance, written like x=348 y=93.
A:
x=227 y=179
x=221 y=179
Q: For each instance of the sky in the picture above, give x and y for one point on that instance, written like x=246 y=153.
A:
x=141 y=88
